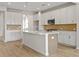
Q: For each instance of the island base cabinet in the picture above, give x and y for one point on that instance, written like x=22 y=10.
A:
x=52 y=44
x=35 y=42
x=44 y=43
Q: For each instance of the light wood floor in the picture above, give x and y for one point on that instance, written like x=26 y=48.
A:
x=15 y=49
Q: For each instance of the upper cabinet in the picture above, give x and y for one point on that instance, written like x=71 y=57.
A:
x=14 y=18
x=71 y=14
x=77 y=14
x=65 y=15
x=62 y=16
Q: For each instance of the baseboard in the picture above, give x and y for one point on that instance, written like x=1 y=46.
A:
x=11 y=40
x=77 y=47
x=67 y=45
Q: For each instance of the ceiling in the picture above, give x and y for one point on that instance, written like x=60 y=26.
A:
x=31 y=6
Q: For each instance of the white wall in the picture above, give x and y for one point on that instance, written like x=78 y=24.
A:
x=1 y=23
x=77 y=17
x=2 y=15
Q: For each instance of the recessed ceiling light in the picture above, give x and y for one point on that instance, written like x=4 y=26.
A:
x=43 y=5
x=27 y=3
x=9 y=3
x=48 y=4
x=38 y=8
x=24 y=6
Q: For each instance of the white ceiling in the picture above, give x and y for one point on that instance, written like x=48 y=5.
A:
x=31 y=6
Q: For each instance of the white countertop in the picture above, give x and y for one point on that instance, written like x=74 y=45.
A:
x=13 y=30
x=41 y=32
x=38 y=40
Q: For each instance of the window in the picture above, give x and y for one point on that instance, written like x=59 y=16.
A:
x=25 y=22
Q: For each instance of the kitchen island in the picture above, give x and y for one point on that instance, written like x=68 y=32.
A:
x=41 y=41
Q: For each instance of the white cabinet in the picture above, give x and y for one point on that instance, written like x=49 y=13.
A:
x=14 y=18
x=70 y=38
x=67 y=37
x=65 y=15
x=57 y=17
x=12 y=35
x=70 y=14
x=34 y=41
x=61 y=37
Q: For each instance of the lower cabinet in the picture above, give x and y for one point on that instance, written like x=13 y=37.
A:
x=67 y=37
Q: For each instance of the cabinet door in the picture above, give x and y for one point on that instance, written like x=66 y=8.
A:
x=61 y=37
x=57 y=17
x=70 y=38
x=65 y=15
x=66 y=37
x=14 y=18
x=17 y=19
x=70 y=14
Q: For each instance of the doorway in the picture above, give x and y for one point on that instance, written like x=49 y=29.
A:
x=2 y=26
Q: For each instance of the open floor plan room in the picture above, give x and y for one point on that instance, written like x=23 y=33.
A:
x=39 y=29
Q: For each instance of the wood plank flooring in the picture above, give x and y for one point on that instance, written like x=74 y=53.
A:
x=15 y=49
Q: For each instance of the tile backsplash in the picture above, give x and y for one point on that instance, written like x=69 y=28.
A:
x=13 y=27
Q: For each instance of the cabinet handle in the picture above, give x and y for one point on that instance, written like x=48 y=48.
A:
x=69 y=37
